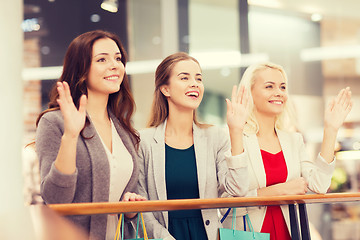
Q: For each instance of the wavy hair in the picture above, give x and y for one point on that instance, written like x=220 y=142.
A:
x=77 y=63
x=284 y=121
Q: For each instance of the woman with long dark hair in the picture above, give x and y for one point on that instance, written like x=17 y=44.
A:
x=85 y=142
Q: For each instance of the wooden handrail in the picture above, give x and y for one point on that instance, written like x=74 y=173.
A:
x=183 y=204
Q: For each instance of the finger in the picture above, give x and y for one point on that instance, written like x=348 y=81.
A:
x=229 y=106
x=331 y=105
x=126 y=197
x=342 y=96
x=67 y=92
x=348 y=96
x=234 y=94
x=60 y=89
x=241 y=94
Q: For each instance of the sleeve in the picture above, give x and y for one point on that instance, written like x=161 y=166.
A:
x=56 y=187
x=153 y=226
x=317 y=173
x=232 y=171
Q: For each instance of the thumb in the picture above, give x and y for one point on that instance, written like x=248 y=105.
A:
x=82 y=104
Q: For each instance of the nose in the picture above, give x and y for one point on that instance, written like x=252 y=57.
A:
x=279 y=92
x=193 y=82
x=114 y=64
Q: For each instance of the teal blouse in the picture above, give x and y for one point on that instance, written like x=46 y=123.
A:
x=182 y=183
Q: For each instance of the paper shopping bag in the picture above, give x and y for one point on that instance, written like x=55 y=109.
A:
x=121 y=229
x=233 y=234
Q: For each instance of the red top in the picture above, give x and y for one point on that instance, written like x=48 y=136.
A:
x=276 y=172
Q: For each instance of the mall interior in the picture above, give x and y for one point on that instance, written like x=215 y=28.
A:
x=316 y=41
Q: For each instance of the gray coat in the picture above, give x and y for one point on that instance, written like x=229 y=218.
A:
x=90 y=182
x=217 y=174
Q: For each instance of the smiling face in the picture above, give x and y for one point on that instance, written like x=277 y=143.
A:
x=269 y=92
x=106 y=70
x=185 y=89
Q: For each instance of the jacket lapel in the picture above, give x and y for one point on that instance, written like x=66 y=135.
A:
x=285 y=144
x=254 y=153
x=100 y=168
x=200 y=146
x=158 y=151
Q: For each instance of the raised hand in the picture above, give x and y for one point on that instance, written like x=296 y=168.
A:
x=237 y=109
x=338 y=109
x=74 y=119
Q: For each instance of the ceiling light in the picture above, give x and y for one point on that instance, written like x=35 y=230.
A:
x=110 y=5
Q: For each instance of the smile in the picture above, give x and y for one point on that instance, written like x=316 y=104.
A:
x=278 y=102
x=192 y=94
x=112 y=78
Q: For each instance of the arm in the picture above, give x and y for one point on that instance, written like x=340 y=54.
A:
x=335 y=115
x=74 y=121
x=237 y=114
x=56 y=142
x=232 y=171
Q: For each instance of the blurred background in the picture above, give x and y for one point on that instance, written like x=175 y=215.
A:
x=316 y=41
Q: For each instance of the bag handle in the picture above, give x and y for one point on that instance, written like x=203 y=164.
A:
x=117 y=233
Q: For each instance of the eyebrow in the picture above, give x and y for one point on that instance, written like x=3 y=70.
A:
x=274 y=83
x=185 y=73
x=118 y=53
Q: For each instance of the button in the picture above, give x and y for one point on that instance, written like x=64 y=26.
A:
x=207 y=222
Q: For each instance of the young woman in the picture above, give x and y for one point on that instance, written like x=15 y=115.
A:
x=181 y=158
x=277 y=159
x=86 y=144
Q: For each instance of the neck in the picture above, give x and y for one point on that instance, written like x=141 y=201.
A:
x=97 y=107
x=266 y=124
x=179 y=123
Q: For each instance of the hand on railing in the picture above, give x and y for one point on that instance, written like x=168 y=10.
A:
x=129 y=196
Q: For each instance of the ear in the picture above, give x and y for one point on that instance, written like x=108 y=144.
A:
x=165 y=90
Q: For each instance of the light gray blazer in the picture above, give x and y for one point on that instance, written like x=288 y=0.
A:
x=217 y=174
x=317 y=173
x=90 y=182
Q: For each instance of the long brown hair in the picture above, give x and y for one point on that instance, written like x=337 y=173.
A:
x=76 y=68
x=160 y=108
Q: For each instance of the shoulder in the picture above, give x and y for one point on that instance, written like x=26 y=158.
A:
x=53 y=117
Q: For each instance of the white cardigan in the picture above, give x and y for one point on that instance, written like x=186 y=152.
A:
x=317 y=173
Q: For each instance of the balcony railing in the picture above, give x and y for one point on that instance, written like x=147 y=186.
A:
x=297 y=204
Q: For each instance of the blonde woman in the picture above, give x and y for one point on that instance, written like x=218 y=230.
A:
x=277 y=159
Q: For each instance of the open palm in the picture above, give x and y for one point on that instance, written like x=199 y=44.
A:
x=238 y=108
x=338 y=109
x=74 y=119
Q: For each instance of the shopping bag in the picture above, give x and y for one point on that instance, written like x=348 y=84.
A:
x=233 y=234
x=121 y=229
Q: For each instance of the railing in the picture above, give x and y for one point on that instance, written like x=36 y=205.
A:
x=168 y=205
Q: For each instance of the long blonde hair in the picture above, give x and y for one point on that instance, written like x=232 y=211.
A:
x=286 y=120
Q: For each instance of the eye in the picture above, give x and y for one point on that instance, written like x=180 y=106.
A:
x=283 y=87
x=184 y=78
x=101 y=60
x=269 y=86
x=118 y=59
x=199 y=79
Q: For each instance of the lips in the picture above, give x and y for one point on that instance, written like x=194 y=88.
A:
x=192 y=94
x=112 y=78
x=277 y=102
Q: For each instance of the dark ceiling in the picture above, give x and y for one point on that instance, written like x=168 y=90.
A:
x=62 y=20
